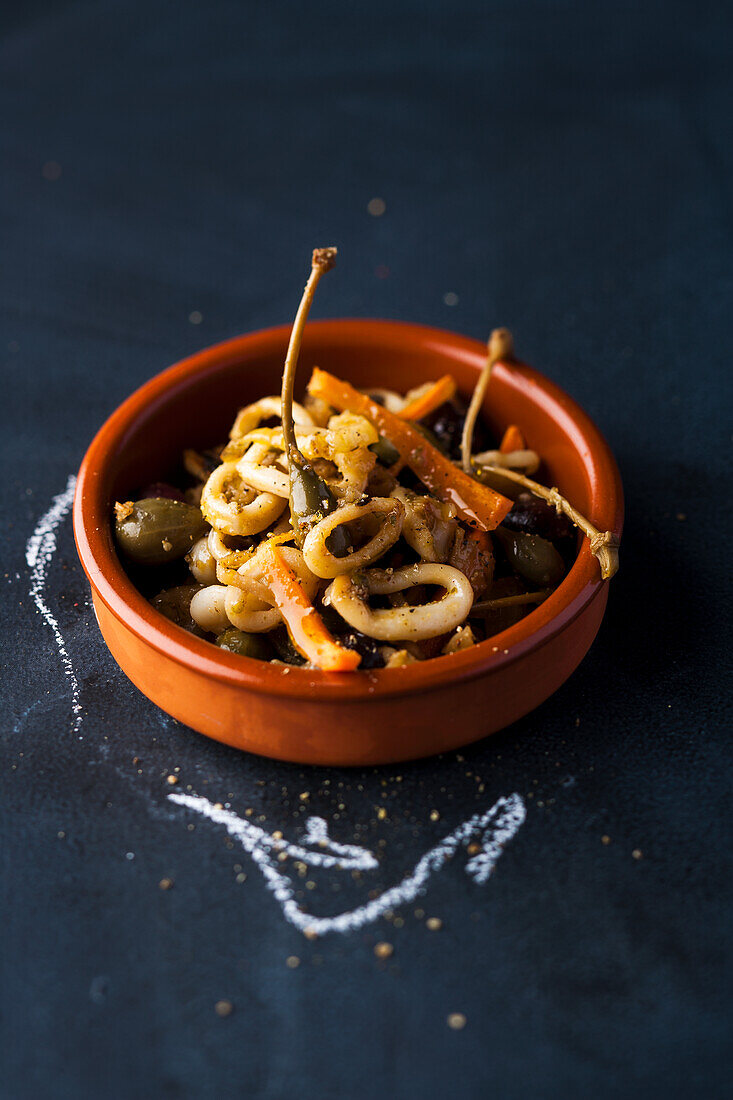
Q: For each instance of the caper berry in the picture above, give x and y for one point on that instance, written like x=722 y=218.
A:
x=534 y=558
x=246 y=645
x=157 y=530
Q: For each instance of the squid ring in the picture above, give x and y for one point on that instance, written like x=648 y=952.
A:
x=207 y=608
x=247 y=612
x=251 y=416
x=265 y=479
x=323 y=563
x=348 y=595
x=202 y=562
x=233 y=512
x=431 y=543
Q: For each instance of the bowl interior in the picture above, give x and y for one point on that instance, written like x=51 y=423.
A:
x=193 y=404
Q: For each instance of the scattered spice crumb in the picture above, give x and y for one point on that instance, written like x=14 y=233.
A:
x=456 y=1021
x=51 y=171
x=165 y=883
x=292 y=962
x=61 y=834
x=310 y=933
x=241 y=877
x=637 y=853
x=605 y=840
x=473 y=848
x=304 y=796
x=381 y=813
x=376 y=207
x=434 y=924
x=434 y=815
x=383 y=950
x=172 y=779
x=223 y=1008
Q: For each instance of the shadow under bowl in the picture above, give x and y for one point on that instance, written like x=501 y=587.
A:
x=307 y=716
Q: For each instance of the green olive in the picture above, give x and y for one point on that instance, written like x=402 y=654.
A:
x=385 y=451
x=534 y=558
x=246 y=645
x=157 y=530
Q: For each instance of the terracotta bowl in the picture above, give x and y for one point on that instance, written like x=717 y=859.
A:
x=312 y=717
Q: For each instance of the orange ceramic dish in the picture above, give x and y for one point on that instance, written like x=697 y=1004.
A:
x=305 y=715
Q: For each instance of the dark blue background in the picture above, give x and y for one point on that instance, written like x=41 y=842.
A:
x=565 y=170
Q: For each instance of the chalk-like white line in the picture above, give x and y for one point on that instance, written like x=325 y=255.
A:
x=39 y=551
x=495 y=828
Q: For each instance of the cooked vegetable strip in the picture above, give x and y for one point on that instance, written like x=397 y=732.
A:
x=603 y=544
x=310 y=497
x=440 y=392
x=512 y=440
x=477 y=504
x=500 y=346
x=305 y=625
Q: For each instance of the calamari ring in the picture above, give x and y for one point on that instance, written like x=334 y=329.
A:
x=526 y=460
x=234 y=512
x=202 y=562
x=323 y=563
x=265 y=479
x=248 y=613
x=430 y=542
x=396 y=624
x=251 y=416
x=207 y=608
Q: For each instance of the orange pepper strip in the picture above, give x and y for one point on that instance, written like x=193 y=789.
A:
x=512 y=440
x=475 y=503
x=440 y=392
x=306 y=626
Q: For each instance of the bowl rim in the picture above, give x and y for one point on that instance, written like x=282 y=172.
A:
x=111 y=585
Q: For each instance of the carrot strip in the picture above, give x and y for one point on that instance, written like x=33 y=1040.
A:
x=512 y=440
x=427 y=402
x=475 y=503
x=306 y=626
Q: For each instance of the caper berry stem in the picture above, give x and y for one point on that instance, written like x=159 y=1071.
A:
x=500 y=346
x=603 y=544
x=308 y=493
